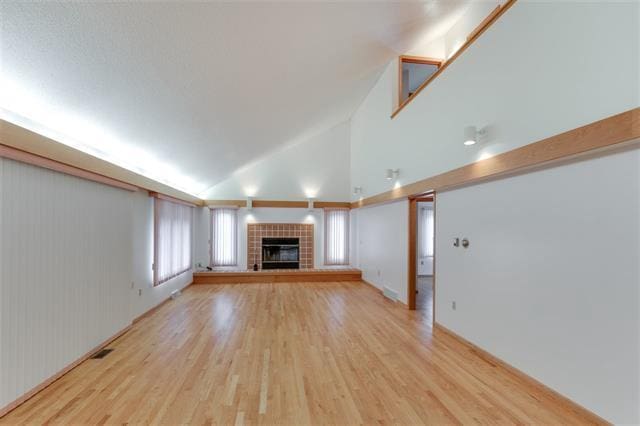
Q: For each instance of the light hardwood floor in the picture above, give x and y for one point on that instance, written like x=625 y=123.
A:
x=290 y=353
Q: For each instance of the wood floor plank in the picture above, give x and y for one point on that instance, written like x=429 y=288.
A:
x=291 y=353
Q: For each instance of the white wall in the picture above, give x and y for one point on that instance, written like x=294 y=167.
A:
x=65 y=271
x=550 y=282
x=382 y=233
x=526 y=84
x=317 y=167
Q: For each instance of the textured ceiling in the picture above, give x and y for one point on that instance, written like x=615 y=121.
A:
x=186 y=93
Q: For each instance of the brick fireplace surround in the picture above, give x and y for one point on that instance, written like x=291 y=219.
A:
x=257 y=231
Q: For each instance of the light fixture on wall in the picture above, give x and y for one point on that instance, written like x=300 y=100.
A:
x=357 y=190
x=310 y=204
x=249 y=203
x=471 y=135
x=392 y=174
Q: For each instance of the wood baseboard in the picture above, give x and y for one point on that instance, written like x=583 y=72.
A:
x=492 y=359
x=21 y=400
x=372 y=286
x=156 y=307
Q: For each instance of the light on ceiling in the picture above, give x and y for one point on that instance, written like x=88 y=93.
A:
x=310 y=204
x=249 y=203
x=470 y=135
x=392 y=174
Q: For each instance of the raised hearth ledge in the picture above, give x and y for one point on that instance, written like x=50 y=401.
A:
x=333 y=274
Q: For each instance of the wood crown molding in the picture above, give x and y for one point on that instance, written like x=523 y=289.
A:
x=38 y=161
x=475 y=34
x=568 y=404
x=617 y=129
x=14 y=136
x=172 y=199
x=277 y=204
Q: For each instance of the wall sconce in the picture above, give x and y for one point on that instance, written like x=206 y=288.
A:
x=249 y=203
x=310 y=204
x=357 y=190
x=471 y=135
x=392 y=174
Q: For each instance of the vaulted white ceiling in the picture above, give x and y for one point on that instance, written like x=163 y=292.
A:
x=186 y=93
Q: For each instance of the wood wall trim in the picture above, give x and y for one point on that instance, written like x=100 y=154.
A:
x=332 y=205
x=172 y=199
x=225 y=203
x=373 y=287
x=494 y=360
x=617 y=129
x=412 y=257
x=493 y=17
x=412 y=261
x=278 y=204
x=14 y=136
x=46 y=163
x=485 y=22
x=21 y=400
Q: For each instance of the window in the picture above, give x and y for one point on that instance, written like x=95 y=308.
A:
x=426 y=231
x=336 y=236
x=224 y=236
x=413 y=72
x=173 y=226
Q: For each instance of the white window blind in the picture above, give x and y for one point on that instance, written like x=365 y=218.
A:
x=336 y=236
x=173 y=231
x=224 y=237
x=426 y=229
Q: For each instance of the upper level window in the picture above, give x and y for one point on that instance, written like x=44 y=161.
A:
x=173 y=231
x=413 y=72
x=224 y=237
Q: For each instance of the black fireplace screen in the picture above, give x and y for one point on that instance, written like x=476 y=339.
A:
x=280 y=253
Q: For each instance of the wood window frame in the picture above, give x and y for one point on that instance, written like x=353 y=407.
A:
x=408 y=59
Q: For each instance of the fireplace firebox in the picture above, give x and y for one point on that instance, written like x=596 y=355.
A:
x=280 y=253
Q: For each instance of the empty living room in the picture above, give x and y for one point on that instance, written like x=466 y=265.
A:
x=320 y=212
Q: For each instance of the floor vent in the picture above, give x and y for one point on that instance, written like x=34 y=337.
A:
x=102 y=354
x=390 y=293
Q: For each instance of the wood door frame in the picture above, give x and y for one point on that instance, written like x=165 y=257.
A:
x=412 y=267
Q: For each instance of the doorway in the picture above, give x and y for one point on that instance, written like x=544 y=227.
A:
x=421 y=271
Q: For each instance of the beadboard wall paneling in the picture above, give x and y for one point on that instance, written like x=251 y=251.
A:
x=65 y=271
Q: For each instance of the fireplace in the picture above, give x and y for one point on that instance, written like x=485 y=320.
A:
x=280 y=253
x=257 y=233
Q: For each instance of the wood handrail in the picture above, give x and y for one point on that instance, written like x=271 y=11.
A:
x=475 y=34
